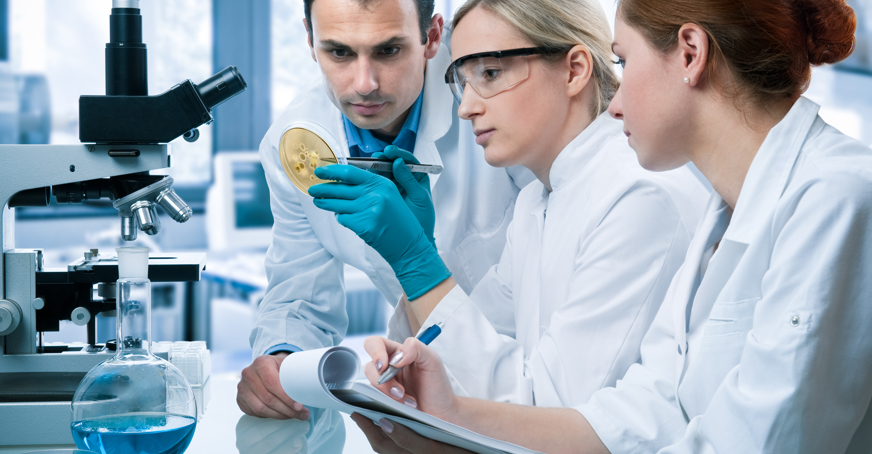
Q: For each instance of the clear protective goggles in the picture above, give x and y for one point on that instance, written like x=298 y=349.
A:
x=491 y=73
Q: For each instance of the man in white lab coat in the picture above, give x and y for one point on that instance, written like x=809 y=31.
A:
x=383 y=64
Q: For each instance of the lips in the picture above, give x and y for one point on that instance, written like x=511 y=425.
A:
x=481 y=136
x=368 y=109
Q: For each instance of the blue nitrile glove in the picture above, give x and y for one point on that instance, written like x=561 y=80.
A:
x=371 y=207
x=414 y=188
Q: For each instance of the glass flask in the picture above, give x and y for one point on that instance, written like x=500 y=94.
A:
x=135 y=402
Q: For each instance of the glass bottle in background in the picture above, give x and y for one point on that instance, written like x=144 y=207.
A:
x=134 y=402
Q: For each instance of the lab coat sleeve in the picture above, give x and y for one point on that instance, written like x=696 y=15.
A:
x=493 y=291
x=304 y=304
x=640 y=413
x=496 y=296
x=622 y=269
x=483 y=327
x=803 y=381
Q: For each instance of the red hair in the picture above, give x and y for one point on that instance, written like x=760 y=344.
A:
x=768 y=45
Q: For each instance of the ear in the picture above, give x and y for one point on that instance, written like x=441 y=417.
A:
x=579 y=62
x=693 y=50
x=309 y=39
x=434 y=36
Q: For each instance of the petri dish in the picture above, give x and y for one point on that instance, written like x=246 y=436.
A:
x=302 y=151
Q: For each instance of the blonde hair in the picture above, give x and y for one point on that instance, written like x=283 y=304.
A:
x=560 y=24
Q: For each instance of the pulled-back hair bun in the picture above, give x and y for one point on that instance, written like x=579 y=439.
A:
x=768 y=45
x=830 y=26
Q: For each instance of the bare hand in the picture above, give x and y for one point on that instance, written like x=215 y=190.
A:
x=260 y=392
x=423 y=382
x=392 y=438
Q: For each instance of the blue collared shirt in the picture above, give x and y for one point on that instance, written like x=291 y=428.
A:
x=362 y=144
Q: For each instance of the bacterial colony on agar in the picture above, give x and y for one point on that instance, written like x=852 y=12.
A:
x=302 y=151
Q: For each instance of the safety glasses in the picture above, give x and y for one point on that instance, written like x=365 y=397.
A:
x=491 y=73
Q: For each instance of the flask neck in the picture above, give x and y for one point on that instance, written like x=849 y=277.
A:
x=133 y=309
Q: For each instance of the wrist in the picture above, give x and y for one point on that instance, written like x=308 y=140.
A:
x=425 y=305
x=422 y=274
x=460 y=413
x=419 y=268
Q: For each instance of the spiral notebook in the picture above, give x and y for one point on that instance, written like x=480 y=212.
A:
x=327 y=378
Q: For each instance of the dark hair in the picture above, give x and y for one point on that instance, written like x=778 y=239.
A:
x=768 y=45
x=424 y=8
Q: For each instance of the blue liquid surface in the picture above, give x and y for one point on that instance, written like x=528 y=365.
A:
x=140 y=433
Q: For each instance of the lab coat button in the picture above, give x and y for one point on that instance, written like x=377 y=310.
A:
x=794 y=320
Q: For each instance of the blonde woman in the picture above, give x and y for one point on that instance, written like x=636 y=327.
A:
x=593 y=243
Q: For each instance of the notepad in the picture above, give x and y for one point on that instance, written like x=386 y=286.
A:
x=327 y=378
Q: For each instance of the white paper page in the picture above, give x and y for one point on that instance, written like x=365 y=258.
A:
x=305 y=376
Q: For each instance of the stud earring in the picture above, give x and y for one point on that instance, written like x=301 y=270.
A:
x=687 y=80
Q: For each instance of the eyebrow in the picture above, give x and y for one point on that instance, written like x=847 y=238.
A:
x=386 y=43
x=331 y=43
x=390 y=42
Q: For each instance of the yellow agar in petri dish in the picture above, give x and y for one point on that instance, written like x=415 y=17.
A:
x=302 y=151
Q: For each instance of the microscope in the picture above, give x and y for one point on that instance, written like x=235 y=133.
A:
x=124 y=135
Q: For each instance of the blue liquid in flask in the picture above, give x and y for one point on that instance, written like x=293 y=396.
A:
x=141 y=433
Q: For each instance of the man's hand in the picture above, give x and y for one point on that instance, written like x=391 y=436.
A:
x=260 y=392
x=371 y=207
x=414 y=187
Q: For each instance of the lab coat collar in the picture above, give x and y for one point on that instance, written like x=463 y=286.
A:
x=770 y=170
x=573 y=159
x=436 y=113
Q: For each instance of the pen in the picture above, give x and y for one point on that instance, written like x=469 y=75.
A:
x=426 y=337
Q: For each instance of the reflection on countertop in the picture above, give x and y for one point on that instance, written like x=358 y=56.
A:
x=324 y=433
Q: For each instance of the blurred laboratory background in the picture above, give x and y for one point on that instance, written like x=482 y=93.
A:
x=52 y=51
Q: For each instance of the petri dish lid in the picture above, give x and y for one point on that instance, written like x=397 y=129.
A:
x=302 y=151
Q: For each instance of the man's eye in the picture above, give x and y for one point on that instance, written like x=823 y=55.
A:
x=621 y=62
x=339 y=53
x=390 y=51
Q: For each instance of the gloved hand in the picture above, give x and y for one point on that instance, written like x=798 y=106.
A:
x=371 y=206
x=414 y=188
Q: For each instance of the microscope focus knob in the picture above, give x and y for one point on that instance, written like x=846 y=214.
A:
x=80 y=316
x=10 y=316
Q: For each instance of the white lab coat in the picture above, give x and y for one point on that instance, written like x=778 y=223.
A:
x=581 y=277
x=304 y=303
x=766 y=347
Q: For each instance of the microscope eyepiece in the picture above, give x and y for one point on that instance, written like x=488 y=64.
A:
x=222 y=86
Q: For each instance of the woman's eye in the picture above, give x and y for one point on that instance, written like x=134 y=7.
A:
x=621 y=62
x=490 y=74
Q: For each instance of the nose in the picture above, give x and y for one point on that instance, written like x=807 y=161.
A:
x=365 y=80
x=615 y=106
x=470 y=104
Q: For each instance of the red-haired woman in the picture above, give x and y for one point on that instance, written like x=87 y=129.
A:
x=763 y=341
